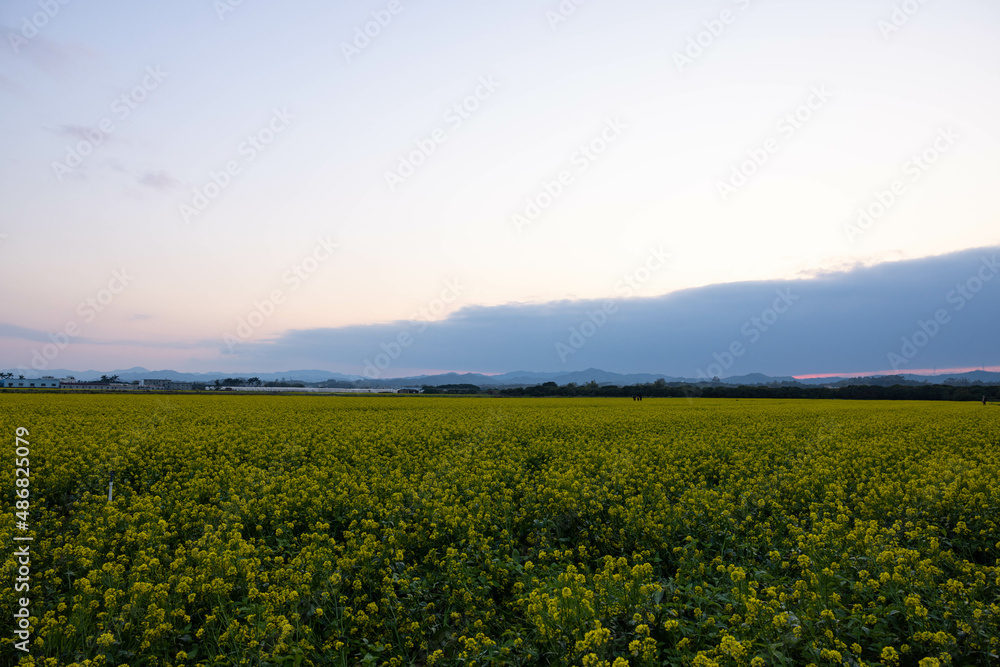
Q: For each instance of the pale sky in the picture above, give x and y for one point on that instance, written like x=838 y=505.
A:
x=613 y=121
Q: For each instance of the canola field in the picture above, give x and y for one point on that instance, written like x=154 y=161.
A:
x=304 y=530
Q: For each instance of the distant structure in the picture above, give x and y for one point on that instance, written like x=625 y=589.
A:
x=96 y=386
x=47 y=382
x=166 y=385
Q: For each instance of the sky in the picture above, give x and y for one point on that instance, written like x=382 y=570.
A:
x=245 y=186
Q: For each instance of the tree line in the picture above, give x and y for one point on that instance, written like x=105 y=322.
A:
x=923 y=392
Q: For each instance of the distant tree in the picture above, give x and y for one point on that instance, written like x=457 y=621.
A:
x=254 y=382
x=218 y=383
x=456 y=389
x=108 y=379
x=6 y=376
x=21 y=376
x=909 y=392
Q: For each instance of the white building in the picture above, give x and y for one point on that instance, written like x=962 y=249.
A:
x=31 y=383
x=97 y=386
x=168 y=385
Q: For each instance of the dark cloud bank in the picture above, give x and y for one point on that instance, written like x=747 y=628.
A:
x=939 y=312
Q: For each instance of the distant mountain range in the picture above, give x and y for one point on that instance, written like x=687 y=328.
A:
x=516 y=378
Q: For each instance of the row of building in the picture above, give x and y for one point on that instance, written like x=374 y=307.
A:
x=49 y=382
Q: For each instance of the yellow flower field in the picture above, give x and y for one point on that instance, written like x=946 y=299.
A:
x=318 y=530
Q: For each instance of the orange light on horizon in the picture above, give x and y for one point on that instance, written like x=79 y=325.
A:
x=913 y=371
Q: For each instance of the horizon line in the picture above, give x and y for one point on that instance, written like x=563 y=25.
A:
x=930 y=372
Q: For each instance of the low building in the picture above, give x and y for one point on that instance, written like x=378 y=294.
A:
x=167 y=385
x=97 y=386
x=31 y=383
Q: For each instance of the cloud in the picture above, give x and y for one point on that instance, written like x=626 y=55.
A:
x=52 y=57
x=16 y=332
x=37 y=335
x=23 y=333
x=159 y=180
x=82 y=133
x=836 y=322
x=153 y=344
